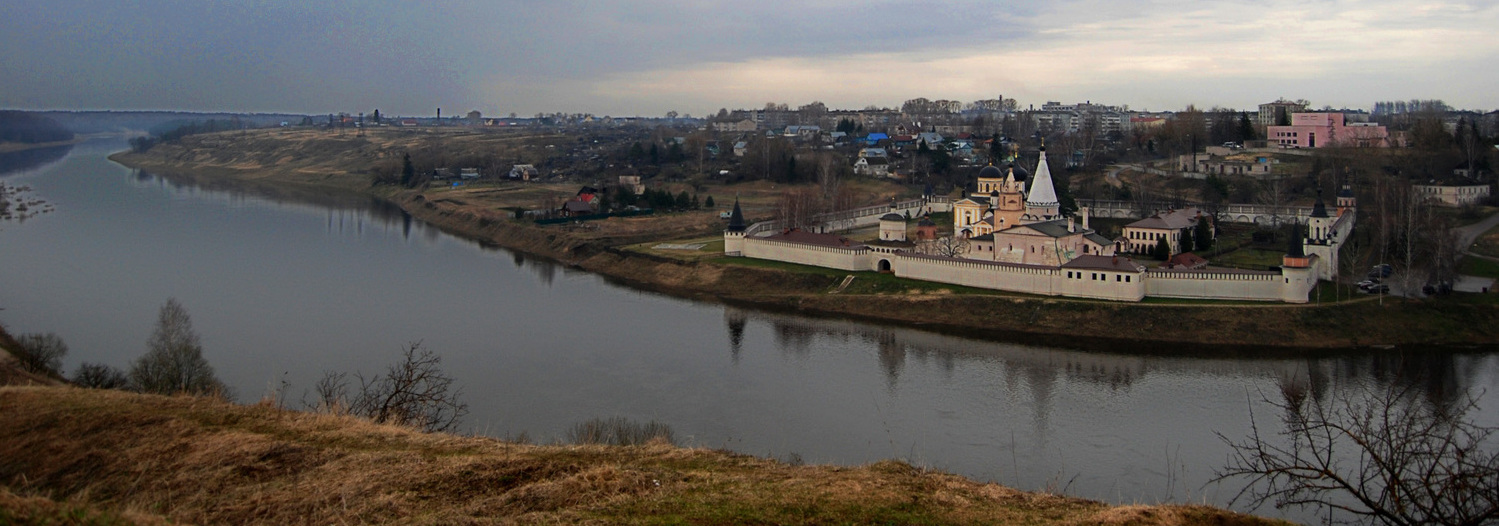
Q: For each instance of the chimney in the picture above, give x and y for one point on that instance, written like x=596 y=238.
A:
x=1071 y=227
x=1086 y=212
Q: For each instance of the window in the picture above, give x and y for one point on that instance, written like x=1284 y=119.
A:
x=1126 y=279
x=1118 y=278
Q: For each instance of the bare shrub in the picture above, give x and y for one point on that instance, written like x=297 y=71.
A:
x=332 y=393
x=1383 y=455
x=41 y=353
x=414 y=392
x=100 y=376
x=619 y=431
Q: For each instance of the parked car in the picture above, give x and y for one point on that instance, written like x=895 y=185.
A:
x=1384 y=270
x=1375 y=289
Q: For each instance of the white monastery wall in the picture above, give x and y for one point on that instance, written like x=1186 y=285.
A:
x=820 y=256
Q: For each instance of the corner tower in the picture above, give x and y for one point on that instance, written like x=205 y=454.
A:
x=733 y=236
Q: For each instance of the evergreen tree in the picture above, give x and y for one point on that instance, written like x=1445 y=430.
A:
x=655 y=154
x=1186 y=240
x=695 y=203
x=683 y=201
x=408 y=172
x=1203 y=234
x=708 y=202
x=377 y=116
x=1162 y=250
x=637 y=152
x=1246 y=128
x=625 y=196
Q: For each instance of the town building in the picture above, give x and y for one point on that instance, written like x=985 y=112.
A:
x=1453 y=194
x=1314 y=130
x=1141 y=237
x=733 y=125
x=1273 y=113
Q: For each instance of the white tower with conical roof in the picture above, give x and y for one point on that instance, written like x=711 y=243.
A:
x=1041 y=203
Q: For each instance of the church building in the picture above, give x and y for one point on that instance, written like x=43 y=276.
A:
x=1010 y=225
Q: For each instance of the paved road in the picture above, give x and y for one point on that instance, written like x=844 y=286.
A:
x=1466 y=235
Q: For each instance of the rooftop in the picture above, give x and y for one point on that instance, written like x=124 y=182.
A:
x=1092 y=262
x=809 y=238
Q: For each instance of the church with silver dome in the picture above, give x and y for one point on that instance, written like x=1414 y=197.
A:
x=1005 y=221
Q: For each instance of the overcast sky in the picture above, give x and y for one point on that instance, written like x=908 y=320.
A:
x=647 y=57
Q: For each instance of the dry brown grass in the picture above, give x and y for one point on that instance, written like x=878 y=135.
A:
x=113 y=457
x=11 y=372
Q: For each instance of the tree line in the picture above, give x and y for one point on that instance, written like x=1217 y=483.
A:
x=173 y=132
x=24 y=127
x=414 y=392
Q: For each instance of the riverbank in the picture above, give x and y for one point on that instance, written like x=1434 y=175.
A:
x=79 y=456
x=8 y=147
x=1172 y=326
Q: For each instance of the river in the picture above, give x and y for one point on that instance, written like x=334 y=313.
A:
x=283 y=286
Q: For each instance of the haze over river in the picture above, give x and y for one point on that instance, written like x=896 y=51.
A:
x=283 y=287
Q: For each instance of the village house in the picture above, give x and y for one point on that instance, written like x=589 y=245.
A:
x=1226 y=163
x=524 y=172
x=873 y=166
x=633 y=183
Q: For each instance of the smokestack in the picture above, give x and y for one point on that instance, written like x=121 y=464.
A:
x=1071 y=227
x=1086 y=212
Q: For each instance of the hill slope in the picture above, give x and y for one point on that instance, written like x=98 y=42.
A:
x=79 y=456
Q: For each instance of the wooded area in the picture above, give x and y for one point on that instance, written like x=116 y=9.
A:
x=20 y=126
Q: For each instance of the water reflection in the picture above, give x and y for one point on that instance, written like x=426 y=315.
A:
x=1443 y=374
x=347 y=212
x=544 y=269
x=32 y=159
x=1107 y=420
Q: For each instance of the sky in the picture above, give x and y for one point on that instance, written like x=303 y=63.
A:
x=648 y=57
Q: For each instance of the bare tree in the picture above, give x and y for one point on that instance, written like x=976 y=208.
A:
x=174 y=361
x=41 y=353
x=414 y=392
x=1384 y=454
x=1274 y=193
x=800 y=207
x=949 y=246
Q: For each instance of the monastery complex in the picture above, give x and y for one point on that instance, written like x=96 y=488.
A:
x=1011 y=235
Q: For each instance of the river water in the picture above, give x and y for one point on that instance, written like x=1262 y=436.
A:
x=283 y=286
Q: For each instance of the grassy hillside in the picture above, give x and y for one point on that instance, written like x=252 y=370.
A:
x=78 y=456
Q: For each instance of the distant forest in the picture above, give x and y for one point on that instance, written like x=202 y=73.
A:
x=156 y=121
x=20 y=126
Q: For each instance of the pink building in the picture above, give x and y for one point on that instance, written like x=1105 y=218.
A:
x=1312 y=130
